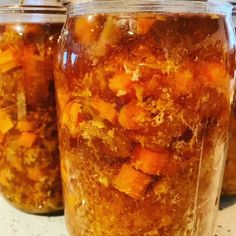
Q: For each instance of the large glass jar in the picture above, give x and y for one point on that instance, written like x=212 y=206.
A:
x=144 y=92
x=29 y=157
x=229 y=183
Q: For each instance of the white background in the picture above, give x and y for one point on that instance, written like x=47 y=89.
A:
x=15 y=223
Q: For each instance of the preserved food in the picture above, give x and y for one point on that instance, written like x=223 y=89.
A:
x=229 y=183
x=144 y=100
x=29 y=157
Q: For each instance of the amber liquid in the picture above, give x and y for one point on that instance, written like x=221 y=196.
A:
x=144 y=105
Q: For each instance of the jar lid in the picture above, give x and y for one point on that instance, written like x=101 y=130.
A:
x=54 y=3
x=40 y=2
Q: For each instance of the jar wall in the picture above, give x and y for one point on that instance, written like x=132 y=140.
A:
x=229 y=182
x=29 y=163
x=144 y=101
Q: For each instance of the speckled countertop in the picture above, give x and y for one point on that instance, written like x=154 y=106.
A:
x=15 y=223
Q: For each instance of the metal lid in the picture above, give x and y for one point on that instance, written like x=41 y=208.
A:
x=53 y=3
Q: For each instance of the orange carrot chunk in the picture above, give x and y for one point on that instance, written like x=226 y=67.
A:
x=215 y=75
x=148 y=161
x=16 y=162
x=35 y=174
x=131 y=181
x=6 y=56
x=144 y=25
x=132 y=116
x=27 y=139
x=119 y=84
x=85 y=29
x=183 y=82
x=7 y=61
x=24 y=125
x=71 y=114
x=105 y=109
x=5 y=122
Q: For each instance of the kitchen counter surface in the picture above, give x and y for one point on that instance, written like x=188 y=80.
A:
x=16 y=223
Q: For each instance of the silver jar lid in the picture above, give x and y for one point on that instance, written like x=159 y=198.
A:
x=54 y=3
x=40 y=2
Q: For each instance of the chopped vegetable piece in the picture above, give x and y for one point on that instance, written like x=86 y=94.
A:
x=131 y=181
x=215 y=75
x=183 y=82
x=109 y=35
x=105 y=109
x=35 y=174
x=161 y=187
x=27 y=139
x=5 y=122
x=5 y=176
x=148 y=161
x=8 y=66
x=132 y=116
x=119 y=84
x=16 y=162
x=24 y=126
x=144 y=24
x=72 y=116
x=85 y=29
x=7 y=61
x=6 y=56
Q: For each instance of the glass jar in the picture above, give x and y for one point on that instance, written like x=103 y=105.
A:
x=144 y=91
x=229 y=183
x=29 y=157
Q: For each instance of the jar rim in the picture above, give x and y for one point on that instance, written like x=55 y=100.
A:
x=161 y=6
x=55 y=3
x=32 y=14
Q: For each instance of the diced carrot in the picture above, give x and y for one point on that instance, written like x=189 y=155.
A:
x=27 y=139
x=6 y=123
x=9 y=66
x=109 y=35
x=119 y=84
x=144 y=25
x=105 y=109
x=148 y=161
x=35 y=173
x=132 y=116
x=71 y=115
x=24 y=126
x=215 y=75
x=161 y=187
x=131 y=181
x=7 y=61
x=6 y=56
x=85 y=29
x=16 y=162
x=6 y=176
x=183 y=82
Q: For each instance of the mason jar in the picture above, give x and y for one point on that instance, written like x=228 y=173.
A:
x=229 y=183
x=29 y=157
x=144 y=92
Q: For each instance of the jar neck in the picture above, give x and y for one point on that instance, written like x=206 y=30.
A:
x=122 y=6
x=55 y=3
x=37 y=14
